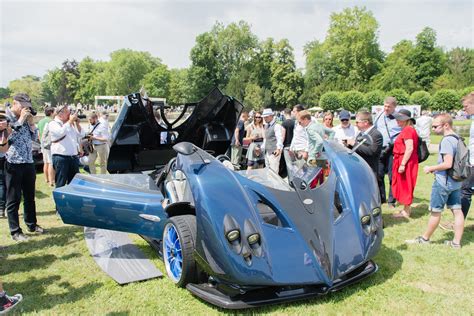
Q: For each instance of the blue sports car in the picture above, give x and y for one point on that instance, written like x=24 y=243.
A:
x=240 y=239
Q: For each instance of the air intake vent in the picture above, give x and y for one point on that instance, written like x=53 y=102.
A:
x=268 y=214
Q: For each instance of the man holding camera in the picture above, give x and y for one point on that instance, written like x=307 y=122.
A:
x=20 y=173
x=65 y=131
x=387 y=125
x=99 y=134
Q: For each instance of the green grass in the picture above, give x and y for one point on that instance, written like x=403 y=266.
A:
x=56 y=274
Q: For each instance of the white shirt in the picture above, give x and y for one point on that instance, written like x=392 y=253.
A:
x=102 y=131
x=68 y=145
x=345 y=133
x=423 y=127
x=300 y=139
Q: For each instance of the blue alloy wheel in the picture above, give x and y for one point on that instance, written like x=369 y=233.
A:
x=178 y=246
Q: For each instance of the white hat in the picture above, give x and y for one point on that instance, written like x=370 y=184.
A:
x=267 y=112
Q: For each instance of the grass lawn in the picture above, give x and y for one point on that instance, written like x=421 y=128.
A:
x=56 y=274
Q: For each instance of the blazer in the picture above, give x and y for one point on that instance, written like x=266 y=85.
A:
x=371 y=153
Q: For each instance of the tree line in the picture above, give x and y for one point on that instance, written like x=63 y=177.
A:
x=347 y=69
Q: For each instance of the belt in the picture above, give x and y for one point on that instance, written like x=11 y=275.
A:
x=65 y=156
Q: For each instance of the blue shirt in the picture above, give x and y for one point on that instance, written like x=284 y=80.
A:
x=388 y=127
x=448 y=145
x=20 y=150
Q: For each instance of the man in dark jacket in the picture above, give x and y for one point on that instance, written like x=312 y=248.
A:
x=369 y=151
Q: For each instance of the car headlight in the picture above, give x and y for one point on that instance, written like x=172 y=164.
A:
x=253 y=239
x=233 y=235
x=376 y=211
x=365 y=219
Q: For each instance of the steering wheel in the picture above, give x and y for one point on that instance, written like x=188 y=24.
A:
x=222 y=158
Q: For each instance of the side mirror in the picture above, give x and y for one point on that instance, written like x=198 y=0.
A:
x=185 y=148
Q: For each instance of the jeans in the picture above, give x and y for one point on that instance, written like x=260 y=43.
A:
x=441 y=195
x=466 y=193
x=20 y=178
x=385 y=166
x=66 y=168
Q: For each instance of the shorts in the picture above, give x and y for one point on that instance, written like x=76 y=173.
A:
x=47 y=158
x=441 y=196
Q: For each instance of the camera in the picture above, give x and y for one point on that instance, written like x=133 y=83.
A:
x=79 y=114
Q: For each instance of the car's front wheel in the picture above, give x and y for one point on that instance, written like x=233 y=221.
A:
x=179 y=239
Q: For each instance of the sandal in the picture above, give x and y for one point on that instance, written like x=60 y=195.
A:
x=401 y=214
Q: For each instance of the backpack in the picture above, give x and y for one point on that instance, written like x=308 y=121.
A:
x=460 y=170
x=46 y=138
x=423 y=152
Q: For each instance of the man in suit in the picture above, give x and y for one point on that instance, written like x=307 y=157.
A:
x=369 y=151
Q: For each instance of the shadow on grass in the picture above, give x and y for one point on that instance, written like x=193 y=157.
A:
x=416 y=212
x=28 y=263
x=36 y=298
x=40 y=195
x=56 y=236
x=389 y=261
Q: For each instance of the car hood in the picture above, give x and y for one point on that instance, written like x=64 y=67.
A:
x=140 y=142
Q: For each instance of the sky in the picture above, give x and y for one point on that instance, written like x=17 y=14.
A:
x=39 y=35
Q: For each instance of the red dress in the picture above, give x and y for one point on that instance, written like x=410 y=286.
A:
x=403 y=184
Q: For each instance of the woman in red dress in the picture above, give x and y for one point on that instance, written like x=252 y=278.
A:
x=405 y=163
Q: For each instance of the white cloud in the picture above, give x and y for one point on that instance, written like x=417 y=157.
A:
x=38 y=35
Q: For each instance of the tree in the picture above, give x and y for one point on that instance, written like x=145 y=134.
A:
x=219 y=55
x=4 y=93
x=287 y=82
x=397 y=71
x=30 y=85
x=61 y=84
x=261 y=72
x=427 y=59
x=352 y=100
x=445 y=100
x=126 y=70
x=350 y=54
x=90 y=83
x=401 y=96
x=331 y=101
x=157 y=82
x=254 y=97
x=459 y=70
x=179 y=90
x=422 y=98
x=375 y=97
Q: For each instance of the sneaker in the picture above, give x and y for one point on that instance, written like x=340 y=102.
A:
x=9 y=302
x=448 y=226
x=418 y=240
x=19 y=237
x=38 y=229
x=452 y=244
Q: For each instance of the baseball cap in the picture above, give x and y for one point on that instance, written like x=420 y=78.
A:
x=23 y=98
x=344 y=115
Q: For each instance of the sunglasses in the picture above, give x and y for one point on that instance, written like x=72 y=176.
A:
x=344 y=120
x=258 y=117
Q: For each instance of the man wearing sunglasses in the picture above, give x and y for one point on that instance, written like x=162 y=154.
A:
x=345 y=131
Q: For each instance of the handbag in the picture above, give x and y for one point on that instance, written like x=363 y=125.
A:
x=423 y=152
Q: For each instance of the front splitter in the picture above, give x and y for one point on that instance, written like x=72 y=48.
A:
x=274 y=295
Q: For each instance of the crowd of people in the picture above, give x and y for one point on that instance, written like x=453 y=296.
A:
x=394 y=137
x=63 y=142
x=388 y=143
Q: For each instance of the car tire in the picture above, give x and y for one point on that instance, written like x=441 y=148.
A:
x=179 y=237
